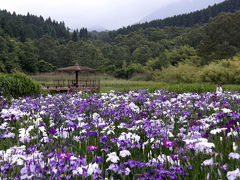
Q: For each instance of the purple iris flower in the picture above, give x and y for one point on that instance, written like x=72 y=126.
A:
x=64 y=156
x=52 y=131
x=42 y=124
x=200 y=114
x=168 y=143
x=92 y=148
x=92 y=133
x=99 y=159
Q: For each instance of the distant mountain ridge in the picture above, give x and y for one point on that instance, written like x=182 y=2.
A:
x=97 y=28
x=185 y=20
x=181 y=7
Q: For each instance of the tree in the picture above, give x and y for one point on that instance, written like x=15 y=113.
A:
x=47 y=47
x=64 y=56
x=9 y=54
x=184 y=53
x=86 y=54
x=126 y=71
x=44 y=66
x=141 y=55
x=132 y=40
x=155 y=34
x=75 y=36
x=83 y=35
x=28 y=57
x=223 y=38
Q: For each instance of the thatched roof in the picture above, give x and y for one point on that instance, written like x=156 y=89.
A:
x=76 y=67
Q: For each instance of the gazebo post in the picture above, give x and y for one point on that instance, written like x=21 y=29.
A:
x=76 y=68
x=76 y=78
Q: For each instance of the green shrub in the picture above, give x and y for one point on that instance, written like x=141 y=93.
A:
x=182 y=73
x=17 y=85
x=44 y=66
x=225 y=71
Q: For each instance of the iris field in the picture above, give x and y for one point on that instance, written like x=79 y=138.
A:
x=121 y=135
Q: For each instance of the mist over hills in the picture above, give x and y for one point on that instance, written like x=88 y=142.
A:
x=173 y=9
x=180 y=7
x=97 y=28
x=190 y=19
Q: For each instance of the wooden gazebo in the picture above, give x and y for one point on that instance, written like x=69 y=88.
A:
x=75 y=85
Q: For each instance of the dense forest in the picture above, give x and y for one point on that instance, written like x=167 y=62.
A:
x=186 y=43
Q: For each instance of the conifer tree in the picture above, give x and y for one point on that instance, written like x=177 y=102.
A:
x=74 y=36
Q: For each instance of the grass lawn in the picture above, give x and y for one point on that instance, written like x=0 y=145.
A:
x=110 y=83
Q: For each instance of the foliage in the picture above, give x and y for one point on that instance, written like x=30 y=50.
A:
x=222 y=38
x=18 y=84
x=226 y=71
x=2 y=67
x=148 y=48
x=141 y=54
x=47 y=47
x=28 y=57
x=127 y=71
x=44 y=66
x=30 y=26
x=184 y=53
x=182 y=73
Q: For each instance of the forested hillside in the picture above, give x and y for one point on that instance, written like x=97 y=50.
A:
x=32 y=44
x=30 y=26
x=186 y=20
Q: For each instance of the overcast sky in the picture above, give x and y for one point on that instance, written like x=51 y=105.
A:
x=110 y=14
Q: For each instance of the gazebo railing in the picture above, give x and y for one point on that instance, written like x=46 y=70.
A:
x=72 y=84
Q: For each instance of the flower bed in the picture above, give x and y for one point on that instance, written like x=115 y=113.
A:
x=135 y=134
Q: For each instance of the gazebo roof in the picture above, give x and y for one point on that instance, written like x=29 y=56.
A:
x=76 y=67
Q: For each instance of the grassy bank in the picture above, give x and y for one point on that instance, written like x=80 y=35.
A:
x=110 y=83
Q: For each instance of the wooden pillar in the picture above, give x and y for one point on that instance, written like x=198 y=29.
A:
x=76 y=78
